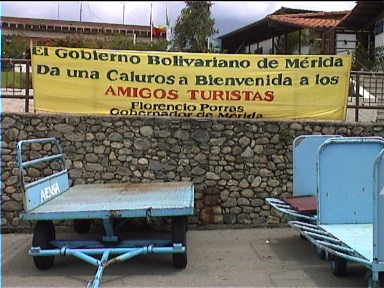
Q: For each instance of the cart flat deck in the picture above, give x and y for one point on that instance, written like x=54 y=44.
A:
x=359 y=237
x=118 y=200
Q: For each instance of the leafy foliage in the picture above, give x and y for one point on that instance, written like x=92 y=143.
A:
x=379 y=59
x=363 y=61
x=115 y=42
x=193 y=27
x=14 y=47
x=18 y=46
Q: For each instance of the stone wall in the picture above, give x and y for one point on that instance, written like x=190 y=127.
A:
x=234 y=164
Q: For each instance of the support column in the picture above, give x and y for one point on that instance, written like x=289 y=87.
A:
x=299 y=41
x=285 y=43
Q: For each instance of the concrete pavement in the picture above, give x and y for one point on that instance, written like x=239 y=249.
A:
x=259 y=257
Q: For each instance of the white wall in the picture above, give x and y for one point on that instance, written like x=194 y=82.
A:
x=304 y=50
x=345 y=43
x=379 y=40
x=267 y=46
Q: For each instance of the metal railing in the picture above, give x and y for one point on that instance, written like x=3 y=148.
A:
x=16 y=80
x=366 y=93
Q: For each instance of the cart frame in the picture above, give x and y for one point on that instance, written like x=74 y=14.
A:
x=47 y=193
x=304 y=175
x=354 y=231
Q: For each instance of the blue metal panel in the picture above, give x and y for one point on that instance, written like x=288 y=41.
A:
x=322 y=238
x=123 y=255
x=118 y=200
x=101 y=201
x=378 y=216
x=345 y=181
x=305 y=149
x=356 y=236
x=94 y=244
x=43 y=190
x=20 y=144
x=106 y=214
x=43 y=159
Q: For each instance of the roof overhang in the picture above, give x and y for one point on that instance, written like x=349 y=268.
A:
x=275 y=25
x=363 y=15
x=245 y=36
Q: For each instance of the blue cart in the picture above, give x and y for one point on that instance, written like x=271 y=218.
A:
x=350 y=205
x=304 y=176
x=51 y=198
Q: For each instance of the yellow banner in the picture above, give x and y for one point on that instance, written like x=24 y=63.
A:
x=146 y=83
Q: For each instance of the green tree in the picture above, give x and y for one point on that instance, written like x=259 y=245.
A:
x=115 y=42
x=193 y=27
x=14 y=46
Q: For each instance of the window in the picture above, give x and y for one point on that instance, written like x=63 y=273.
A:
x=379 y=27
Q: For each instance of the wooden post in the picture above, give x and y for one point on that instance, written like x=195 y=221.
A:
x=286 y=43
x=273 y=44
x=357 y=97
x=27 y=74
x=300 y=42
x=27 y=65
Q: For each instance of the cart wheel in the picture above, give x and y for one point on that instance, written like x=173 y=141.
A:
x=179 y=227
x=339 y=266
x=321 y=253
x=303 y=237
x=43 y=233
x=373 y=284
x=82 y=226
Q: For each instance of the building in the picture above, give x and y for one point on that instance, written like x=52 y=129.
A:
x=308 y=30
x=368 y=16
x=43 y=29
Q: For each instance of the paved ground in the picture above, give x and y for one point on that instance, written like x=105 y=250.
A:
x=15 y=105
x=257 y=257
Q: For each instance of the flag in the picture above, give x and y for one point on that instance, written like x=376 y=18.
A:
x=157 y=30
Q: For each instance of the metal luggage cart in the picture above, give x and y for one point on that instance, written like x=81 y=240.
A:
x=50 y=198
x=302 y=205
x=351 y=205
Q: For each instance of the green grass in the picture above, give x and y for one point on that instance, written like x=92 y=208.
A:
x=13 y=79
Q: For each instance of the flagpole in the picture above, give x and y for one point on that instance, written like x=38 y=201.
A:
x=151 y=22
x=123 y=11
x=81 y=9
x=168 y=32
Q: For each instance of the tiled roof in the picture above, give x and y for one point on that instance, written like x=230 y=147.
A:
x=319 y=20
x=282 y=10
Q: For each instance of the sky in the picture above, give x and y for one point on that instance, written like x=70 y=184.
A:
x=228 y=15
